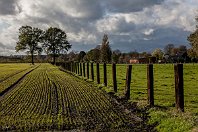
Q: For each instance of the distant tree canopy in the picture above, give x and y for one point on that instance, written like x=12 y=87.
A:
x=93 y=55
x=168 y=49
x=193 y=39
x=81 y=56
x=158 y=53
x=105 y=50
x=29 y=39
x=55 y=42
x=116 y=55
x=191 y=54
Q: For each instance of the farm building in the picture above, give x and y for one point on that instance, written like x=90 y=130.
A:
x=142 y=60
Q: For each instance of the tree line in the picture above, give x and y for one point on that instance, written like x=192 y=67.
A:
x=54 y=42
x=103 y=53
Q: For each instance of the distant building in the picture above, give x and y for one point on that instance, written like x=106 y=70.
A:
x=134 y=61
x=143 y=60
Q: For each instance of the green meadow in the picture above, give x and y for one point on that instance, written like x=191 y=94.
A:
x=164 y=114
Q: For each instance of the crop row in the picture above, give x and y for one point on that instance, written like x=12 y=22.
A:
x=82 y=105
x=9 y=81
x=49 y=99
x=27 y=105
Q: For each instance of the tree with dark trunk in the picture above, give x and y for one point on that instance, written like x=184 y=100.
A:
x=29 y=39
x=105 y=50
x=55 y=42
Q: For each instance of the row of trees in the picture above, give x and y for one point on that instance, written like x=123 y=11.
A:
x=104 y=54
x=34 y=40
x=173 y=54
x=54 y=42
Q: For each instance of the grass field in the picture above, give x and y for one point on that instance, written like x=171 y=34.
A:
x=49 y=99
x=164 y=83
x=164 y=93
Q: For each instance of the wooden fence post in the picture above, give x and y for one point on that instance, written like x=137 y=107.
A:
x=179 y=87
x=80 y=69
x=75 y=67
x=98 y=73
x=150 y=80
x=65 y=65
x=71 y=67
x=114 y=77
x=105 y=74
x=84 y=69
x=75 y=64
x=87 y=70
x=128 y=82
x=92 y=71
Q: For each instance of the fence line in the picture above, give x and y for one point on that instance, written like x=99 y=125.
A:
x=79 y=69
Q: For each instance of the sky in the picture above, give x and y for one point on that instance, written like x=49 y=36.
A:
x=131 y=25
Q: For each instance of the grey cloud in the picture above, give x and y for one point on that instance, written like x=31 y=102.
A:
x=129 y=5
x=3 y=46
x=9 y=7
x=88 y=10
x=6 y=50
x=158 y=39
x=62 y=17
x=91 y=8
x=125 y=35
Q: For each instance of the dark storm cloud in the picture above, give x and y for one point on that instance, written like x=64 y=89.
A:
x=73 y=16
x=129 y=5
x=87 y=10
x=141 y=25
x=9 y=7
x=159 y=38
